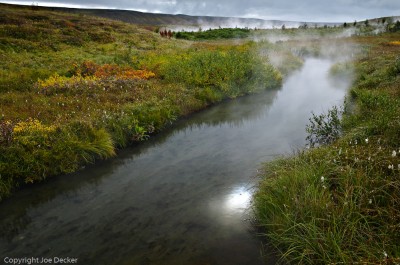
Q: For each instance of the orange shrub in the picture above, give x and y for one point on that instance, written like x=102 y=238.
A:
x=107 y=70
x=89 y=68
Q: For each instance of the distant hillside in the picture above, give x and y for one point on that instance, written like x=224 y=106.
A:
x=140 y=18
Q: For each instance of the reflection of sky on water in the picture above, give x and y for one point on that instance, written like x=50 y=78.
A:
x=238 y=200
x=231 y=208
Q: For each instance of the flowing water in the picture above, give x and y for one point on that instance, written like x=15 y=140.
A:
x=180 y=198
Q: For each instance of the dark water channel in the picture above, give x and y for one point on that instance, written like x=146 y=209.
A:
x=180 y=198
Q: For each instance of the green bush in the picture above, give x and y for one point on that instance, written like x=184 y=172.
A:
x=324 y=128
x=233 y=72
x=212 y=34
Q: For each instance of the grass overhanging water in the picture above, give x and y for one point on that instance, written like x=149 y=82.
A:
x=338 y=203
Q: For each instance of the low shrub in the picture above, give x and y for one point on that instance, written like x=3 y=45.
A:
x=324 y=128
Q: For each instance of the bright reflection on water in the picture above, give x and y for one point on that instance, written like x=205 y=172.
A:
x=238 y=200
x=180 y=198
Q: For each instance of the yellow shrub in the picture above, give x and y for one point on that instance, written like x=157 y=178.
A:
x=32 y=126
x=52 y=80
x=63 y=81
x=396 y=43
x=94 y=77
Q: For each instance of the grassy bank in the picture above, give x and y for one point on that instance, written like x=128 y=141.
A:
x=75 y=88
x=340 y=203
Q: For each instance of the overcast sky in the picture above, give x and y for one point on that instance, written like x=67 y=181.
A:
x=303 y=10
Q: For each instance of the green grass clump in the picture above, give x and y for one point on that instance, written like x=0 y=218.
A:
x=332 y=205
x=37 y=151
x=339 y=203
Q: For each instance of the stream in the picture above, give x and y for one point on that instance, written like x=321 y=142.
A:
x=182 y=197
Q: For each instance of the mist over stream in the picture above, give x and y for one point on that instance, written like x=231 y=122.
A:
x=180 y=198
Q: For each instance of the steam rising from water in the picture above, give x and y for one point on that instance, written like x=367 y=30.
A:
x=282 y=48
x=245 y=23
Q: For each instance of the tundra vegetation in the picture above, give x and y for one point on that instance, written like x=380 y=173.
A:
x=75 y=88
x=339 y=202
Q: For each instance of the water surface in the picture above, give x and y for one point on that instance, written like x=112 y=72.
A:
x=180 y=198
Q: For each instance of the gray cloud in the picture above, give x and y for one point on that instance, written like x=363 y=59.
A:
x=306 y=10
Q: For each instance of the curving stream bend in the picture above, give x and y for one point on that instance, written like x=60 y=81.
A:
x=180 y=198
